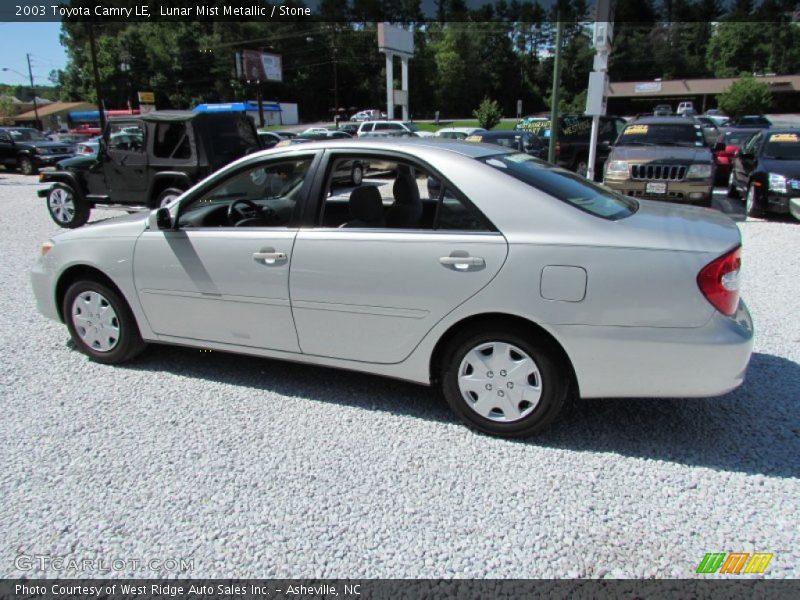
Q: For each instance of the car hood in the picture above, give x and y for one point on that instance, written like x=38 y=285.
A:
x=83 y=161
x=47 y=144
x=672 y=154
x=788 y=168
x=666 y=226
x=115 y=227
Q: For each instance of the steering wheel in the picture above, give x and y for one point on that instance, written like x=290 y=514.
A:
x=245 y=212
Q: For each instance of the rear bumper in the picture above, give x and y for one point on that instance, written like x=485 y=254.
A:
x=661 y=362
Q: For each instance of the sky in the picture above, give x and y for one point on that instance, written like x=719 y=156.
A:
x=41 y=40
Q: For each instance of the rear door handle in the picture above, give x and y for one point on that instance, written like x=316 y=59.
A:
x=269 y=258
x=463 y=263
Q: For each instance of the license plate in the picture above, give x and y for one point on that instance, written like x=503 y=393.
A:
x=656 y=188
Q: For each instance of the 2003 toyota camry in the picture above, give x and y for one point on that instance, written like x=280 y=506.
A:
x=517 y=286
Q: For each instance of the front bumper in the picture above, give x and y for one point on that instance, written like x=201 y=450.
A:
x=780 y=203
x=48 y=160
x=794 y=208
x=661 y=362
x=675 y=191
x=43 y=283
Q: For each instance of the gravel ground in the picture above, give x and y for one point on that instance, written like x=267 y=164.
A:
x=257 y=468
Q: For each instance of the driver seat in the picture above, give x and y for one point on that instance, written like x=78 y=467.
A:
x=406 y=211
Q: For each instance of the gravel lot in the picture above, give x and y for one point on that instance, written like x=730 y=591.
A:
x=256 y=468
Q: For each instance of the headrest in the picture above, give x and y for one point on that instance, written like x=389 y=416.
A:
x=366 y=204
x=405 y=190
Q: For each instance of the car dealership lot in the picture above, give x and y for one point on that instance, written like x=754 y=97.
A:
x=262 y=468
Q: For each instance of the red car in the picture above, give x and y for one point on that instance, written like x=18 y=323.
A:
x=727 y=145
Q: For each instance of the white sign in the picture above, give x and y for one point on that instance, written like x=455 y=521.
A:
x=648 y=87
x=401 y=97
x=395 y=39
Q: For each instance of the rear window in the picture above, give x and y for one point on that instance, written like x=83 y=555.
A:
x=737 y=138
x=564 y=185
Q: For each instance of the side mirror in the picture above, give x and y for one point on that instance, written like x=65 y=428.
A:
x=159 y=219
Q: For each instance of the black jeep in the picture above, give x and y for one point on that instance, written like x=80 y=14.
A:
x=146 y=161
x=28 y=150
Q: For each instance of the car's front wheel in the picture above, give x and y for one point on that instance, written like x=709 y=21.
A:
x=26 y=166
x=732 y=191
x=503 y=383
x=751 y=203
x=66 y=208
x=100 y=323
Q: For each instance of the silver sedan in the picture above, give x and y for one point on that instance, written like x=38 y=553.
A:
x=514 y=285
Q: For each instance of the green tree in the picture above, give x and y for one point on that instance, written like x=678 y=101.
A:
x=6 y=110
x=488 y=113
x=745 y=96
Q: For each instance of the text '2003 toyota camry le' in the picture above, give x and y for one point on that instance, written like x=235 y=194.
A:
x=515 y=287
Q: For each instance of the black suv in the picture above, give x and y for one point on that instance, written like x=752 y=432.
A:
x=28 y=150
x=574 y=133
x=147 y=161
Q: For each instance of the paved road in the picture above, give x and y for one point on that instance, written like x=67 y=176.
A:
x=260 y=468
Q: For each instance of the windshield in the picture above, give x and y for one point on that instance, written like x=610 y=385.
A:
x=26 y=135
x=661 y=134
x=564 y=185
x=737 y=138
x=411 y=127
x=783 y=146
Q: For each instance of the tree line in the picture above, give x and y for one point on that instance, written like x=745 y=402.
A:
x=502 y=51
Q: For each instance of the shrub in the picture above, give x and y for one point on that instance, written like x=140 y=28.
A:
x=488 y=113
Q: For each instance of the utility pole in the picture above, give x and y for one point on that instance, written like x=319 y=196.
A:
x=96 y=73
x=33 y=90
x=551 y=154
x=598 y=78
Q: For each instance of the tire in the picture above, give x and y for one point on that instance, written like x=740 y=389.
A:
x=732 y=191
x=751 y=208
x=66 y=207
x=581 y=166
x=26 y=166
x=357 y=175
x=506 y=413
x=167 y=196
x=106 y=337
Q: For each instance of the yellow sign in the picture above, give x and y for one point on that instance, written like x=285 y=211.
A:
x=783 y=137
x=283 y=144
x=636 y=130
x=147 y=98
x=473 y=138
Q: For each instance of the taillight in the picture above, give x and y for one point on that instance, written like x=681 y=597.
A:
x=719 y=281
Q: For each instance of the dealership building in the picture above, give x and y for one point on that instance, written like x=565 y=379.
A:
x=634 y=97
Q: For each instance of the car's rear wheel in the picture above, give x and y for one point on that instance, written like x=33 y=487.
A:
x=751 y=203
x=66 y=208
x=502 y=383
x=357 y=175
x=26 y=166
x=167 y=196
x=732 y=191
x=100 y=323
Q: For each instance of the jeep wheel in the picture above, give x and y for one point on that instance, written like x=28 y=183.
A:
x=357 y=175
x=26 y=166
x=167 y=196
x=66 y=208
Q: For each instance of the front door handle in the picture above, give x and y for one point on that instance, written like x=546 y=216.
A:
x=461 y=262
x=269 y=258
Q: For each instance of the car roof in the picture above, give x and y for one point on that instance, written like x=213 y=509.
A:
x=503 y=133
x=781 y=130
x=388 y=144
